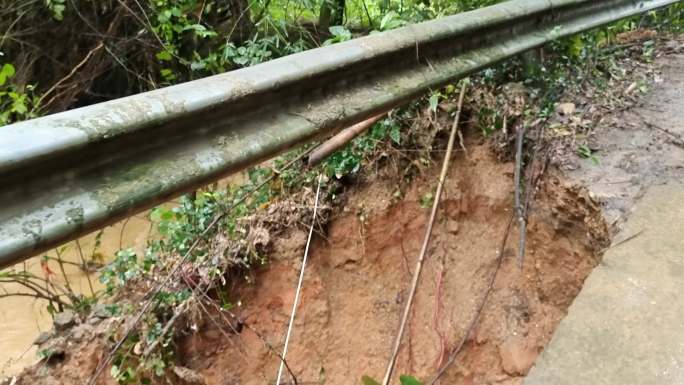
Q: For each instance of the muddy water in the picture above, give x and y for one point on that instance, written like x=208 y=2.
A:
x=23 y=318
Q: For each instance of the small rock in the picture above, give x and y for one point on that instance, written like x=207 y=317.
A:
x=188 y=376
x=631 y=88
x=50 y=380
x=64 y=320
x=100 y=311
x=566 y=108
x=43 y=338
x=81 y=331
x=54 y=349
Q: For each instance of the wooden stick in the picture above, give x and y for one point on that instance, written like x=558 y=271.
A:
x=338 y=141
x=426 y=240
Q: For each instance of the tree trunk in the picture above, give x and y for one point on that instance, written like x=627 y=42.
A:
x=332 y=13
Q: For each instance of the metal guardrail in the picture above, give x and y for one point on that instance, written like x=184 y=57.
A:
x=67 y=174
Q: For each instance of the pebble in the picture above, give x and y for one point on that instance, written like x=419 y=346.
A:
x=100 y=311
x=516 y=357
x=43 y=338
x=188 y=376
x=64 y=320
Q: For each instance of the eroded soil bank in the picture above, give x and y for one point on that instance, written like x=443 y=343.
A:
x=359 y=274
x=358 y=278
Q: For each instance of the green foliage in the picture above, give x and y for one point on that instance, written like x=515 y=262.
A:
x=45 y=354
x=427 y=200
x=585 y=152
x=122 y=269
x=57 y=8
x=348 y=160
x=15 y=104
x=409 y=380
x=339 y=34
x=369 y=381
x=433 y=101
x=6 y=72
x=253 y=52
x=126 y=375
x=391 y=20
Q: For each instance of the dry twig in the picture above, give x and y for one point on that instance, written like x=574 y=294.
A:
x=68 y=76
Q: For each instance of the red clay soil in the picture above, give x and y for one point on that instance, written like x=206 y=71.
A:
x=359 y=274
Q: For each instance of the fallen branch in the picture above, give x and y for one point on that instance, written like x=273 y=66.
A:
x=675 y=139
x=69 y=75
x=169 y=324
x=618 y=243
x=338 y=141
x=426 y=240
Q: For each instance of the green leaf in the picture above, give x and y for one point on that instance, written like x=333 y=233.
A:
x=340 y=31
x=369 y=381
x=6 y=72
x=19 y=106
x=576 y=46
x=164 y=55
x=434 y=101
x=167 y=74
x=241 y=60
x=395 y=134
x=197 y=65
x=114 y=371
x=391 y=21
x=199 y=30
x=409 y=380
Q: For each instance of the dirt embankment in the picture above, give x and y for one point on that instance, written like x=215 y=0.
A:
x=358 y=279
x=359 y=275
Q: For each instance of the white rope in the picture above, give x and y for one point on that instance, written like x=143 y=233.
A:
x=299 y=285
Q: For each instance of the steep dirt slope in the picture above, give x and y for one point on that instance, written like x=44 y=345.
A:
x=359 y=274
